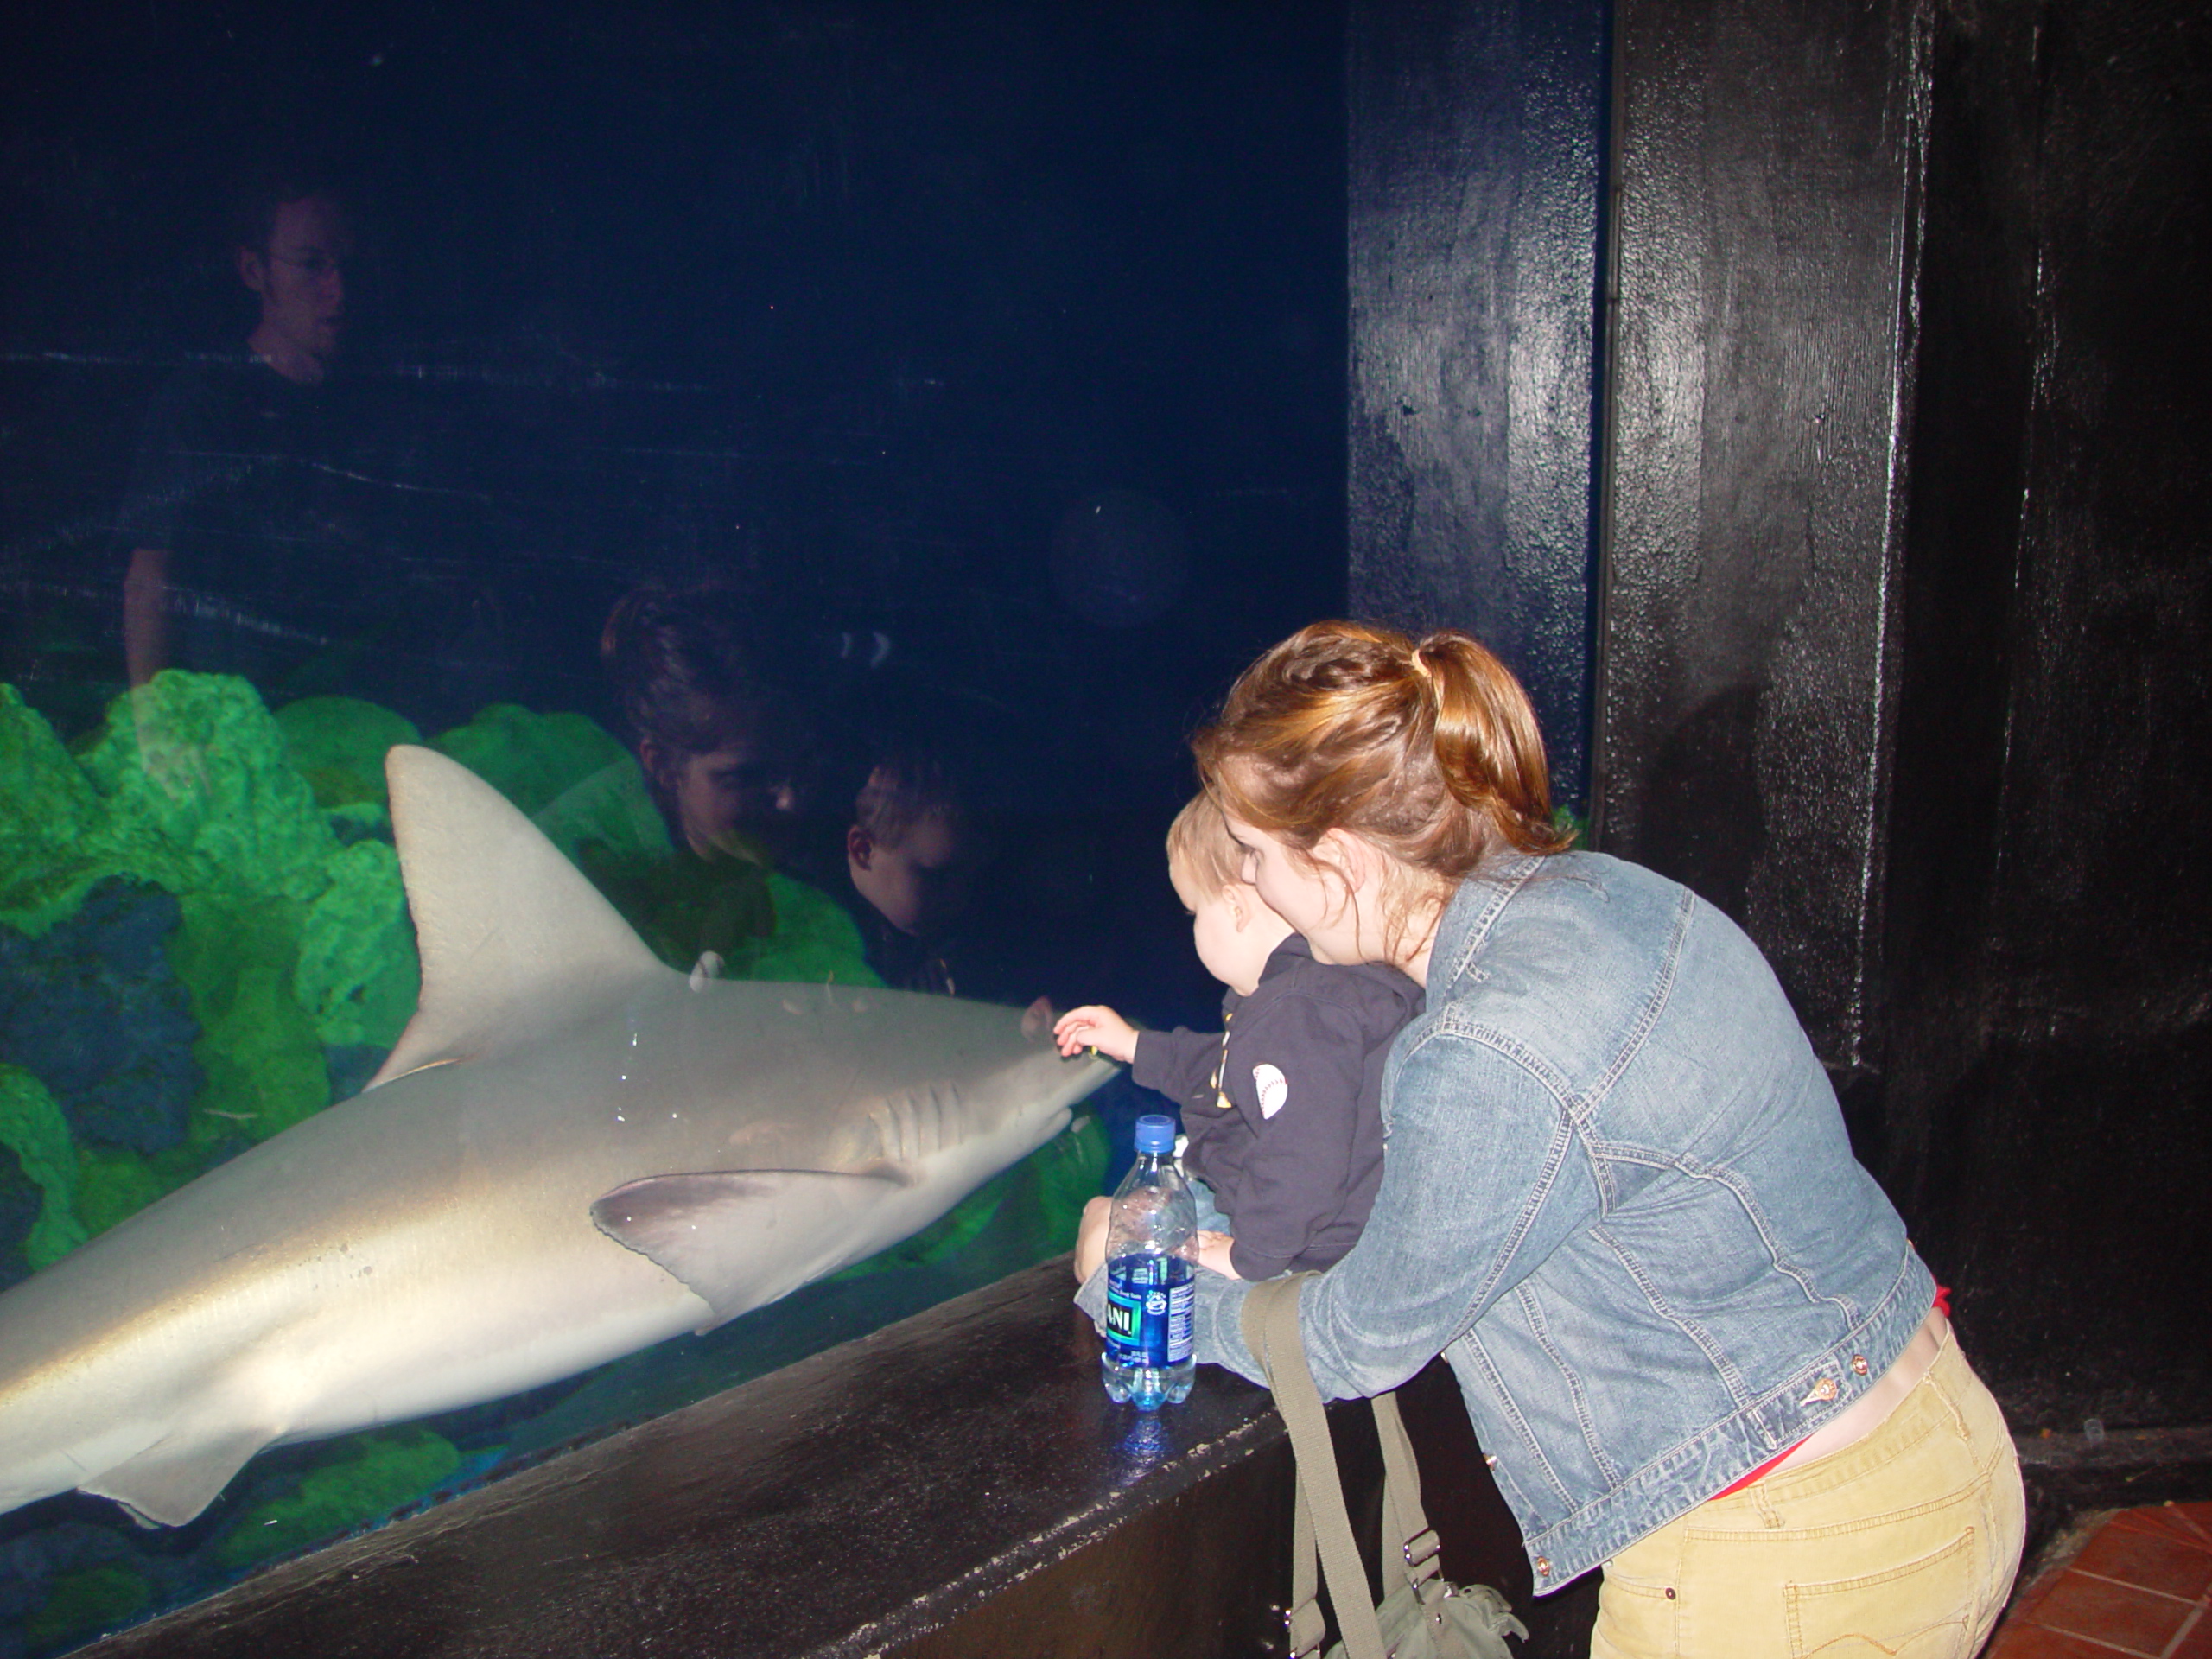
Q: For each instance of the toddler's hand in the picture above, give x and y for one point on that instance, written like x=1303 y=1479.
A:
x=1213 y=1253
x=1093 y=1026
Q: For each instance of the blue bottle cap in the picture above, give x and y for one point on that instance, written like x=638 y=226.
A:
x=1156 y=1133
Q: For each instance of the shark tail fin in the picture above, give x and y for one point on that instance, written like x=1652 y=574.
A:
x=513 y=939
x=172 y=1480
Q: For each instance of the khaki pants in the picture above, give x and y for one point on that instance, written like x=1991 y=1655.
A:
x=1903 y=1545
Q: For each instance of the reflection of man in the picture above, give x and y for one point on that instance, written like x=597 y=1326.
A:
x=244 y=525
x=299 y=272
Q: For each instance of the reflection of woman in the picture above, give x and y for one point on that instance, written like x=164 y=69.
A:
x=721 y=746
x=1617 y=1195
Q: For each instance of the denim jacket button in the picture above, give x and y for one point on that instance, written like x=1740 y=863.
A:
x=1858 y=1363
x=1543 y=1567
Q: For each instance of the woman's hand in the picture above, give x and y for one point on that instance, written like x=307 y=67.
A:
x=1093 y=1026
x=1091 y=1238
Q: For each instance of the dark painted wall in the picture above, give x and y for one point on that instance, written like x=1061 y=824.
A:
x=1766 y=156
x=1477 y=131
x=2050 y=1102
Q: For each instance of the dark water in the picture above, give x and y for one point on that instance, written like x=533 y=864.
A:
x=984 y=364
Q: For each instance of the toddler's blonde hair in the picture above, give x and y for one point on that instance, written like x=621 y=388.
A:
x=1200 y=848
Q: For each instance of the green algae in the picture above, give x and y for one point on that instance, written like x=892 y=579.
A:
x=49 y=850
x=1069 y=1172
x=288 y=941
x=815 y=941
x=200 y=790
x=32 y=1127
x=82 y=1604
x=370 y=1474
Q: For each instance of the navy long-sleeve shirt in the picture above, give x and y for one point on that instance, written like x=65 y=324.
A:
x=1283 y=1109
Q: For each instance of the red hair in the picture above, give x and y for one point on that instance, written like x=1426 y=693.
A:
x=1427 y=750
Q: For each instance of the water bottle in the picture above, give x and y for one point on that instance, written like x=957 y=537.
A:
x=1148 y=1361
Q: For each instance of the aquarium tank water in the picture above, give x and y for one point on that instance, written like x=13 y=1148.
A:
x=815 y=463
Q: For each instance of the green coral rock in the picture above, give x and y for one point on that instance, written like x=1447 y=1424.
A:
x=201 y=793
x=49 y=850
x=610 y=809
x=114 y=1184
x=815 y=941
x=32 y=1127
x=367 y=1477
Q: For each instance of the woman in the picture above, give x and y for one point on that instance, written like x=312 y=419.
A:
x=723 y=745
x=1617 y=1194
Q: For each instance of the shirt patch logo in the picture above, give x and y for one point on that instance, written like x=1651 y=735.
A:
x=1274 y=1088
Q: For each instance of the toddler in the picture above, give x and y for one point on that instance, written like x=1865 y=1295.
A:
x=1282 y=1106
x=911 y=853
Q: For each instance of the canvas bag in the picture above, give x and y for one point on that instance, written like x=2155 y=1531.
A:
x=1422 y=1615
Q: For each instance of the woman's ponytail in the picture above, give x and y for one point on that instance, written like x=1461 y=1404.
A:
x=1490 y=754
x=1429 y=751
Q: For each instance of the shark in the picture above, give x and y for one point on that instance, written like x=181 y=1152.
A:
x=572 y=1153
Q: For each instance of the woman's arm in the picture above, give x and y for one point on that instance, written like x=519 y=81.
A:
x=1483 y=1179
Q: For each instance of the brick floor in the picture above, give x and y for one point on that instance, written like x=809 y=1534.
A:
x=2141 y=1585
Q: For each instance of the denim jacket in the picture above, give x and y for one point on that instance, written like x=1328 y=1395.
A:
x=1617 y=1197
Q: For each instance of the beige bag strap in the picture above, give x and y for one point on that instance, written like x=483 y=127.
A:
x=1304 y=1627
x=1270 y=1327
x=1410 y=1548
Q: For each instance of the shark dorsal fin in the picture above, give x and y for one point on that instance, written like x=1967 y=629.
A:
x=512 y=937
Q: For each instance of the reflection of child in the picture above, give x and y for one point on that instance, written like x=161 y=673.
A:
x=1283 y=1107
x=911 y=853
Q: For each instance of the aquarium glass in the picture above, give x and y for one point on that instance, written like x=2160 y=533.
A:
x=816 y=462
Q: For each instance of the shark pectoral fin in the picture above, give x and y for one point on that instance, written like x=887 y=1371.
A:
x=171 y=1481
x=742 y=1238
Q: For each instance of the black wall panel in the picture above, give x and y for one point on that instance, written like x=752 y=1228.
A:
x=1767 y=157
x=2049 y=1108
x=1476 y=150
